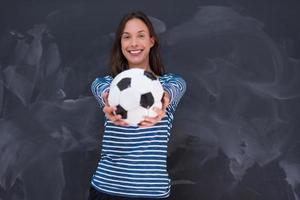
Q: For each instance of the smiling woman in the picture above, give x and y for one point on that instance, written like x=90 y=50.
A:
x=133 y=163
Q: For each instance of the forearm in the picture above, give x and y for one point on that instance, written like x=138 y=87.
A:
x=175 y=87
x=99 y=87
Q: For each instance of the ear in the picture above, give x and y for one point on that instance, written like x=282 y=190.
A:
x=152 y=40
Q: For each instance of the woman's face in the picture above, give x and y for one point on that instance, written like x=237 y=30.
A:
x=136 y=43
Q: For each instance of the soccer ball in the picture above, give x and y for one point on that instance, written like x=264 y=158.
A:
x=134 y=93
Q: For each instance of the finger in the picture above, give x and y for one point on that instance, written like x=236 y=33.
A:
x=120 y=122
x=144 y=124
x=105 y=98
x=166 y=101
x=116 y=118
x=167 y=96
x=123 y=123
x=111 y=116
x=159 y=112
x=151 y=120
x=108 y=110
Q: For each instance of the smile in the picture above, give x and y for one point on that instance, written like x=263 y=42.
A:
x=135 y=51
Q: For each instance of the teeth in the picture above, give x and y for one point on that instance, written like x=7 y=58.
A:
x=135 y=51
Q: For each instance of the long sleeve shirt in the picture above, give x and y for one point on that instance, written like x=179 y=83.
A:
x=133 y=160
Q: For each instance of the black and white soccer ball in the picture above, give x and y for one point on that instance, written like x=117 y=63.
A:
x=134 y=93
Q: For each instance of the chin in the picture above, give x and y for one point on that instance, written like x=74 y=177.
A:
x=136 y=66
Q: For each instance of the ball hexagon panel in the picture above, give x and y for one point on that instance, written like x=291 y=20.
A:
x=129 y=98
x=141 y=84
x=127 y=74
x=134 y=72
x=114 y=96
x=136 y=115
x=157 y=90
x=151 y=112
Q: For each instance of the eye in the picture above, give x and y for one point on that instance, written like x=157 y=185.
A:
x=125 y=37
x=141 y=35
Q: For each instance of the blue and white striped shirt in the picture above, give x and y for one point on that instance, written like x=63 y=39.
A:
x=133 y=160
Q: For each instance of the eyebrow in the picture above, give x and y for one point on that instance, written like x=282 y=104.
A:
x=129 y=33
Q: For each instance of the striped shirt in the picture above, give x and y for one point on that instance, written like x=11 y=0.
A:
x=133 y=160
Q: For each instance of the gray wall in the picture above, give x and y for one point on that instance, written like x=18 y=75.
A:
x=236 y=131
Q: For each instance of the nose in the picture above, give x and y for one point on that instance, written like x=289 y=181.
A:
x=133 y=42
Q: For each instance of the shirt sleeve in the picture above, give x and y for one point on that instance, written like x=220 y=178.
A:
x=176 y=87
x=99 y=87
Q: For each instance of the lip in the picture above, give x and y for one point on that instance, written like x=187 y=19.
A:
x=135 y=51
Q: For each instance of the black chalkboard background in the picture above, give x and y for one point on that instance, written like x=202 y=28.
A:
x=236 y=131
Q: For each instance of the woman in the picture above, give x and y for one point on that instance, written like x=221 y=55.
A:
x=133 y=162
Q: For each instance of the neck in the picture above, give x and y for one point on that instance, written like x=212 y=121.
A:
x=146 y=68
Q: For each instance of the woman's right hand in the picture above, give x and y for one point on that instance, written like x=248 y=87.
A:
x=110 y=112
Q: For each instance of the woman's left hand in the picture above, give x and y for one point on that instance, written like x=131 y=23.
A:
x=150 y=121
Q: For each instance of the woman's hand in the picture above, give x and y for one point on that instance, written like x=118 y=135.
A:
x=150 y=121
x=110 y=112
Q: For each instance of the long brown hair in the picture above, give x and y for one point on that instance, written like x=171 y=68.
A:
x=117 y=60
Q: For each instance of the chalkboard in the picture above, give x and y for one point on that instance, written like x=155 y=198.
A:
x=235 y=133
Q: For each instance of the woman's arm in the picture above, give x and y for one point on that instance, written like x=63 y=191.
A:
x=99 y=87
x=174 y=87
